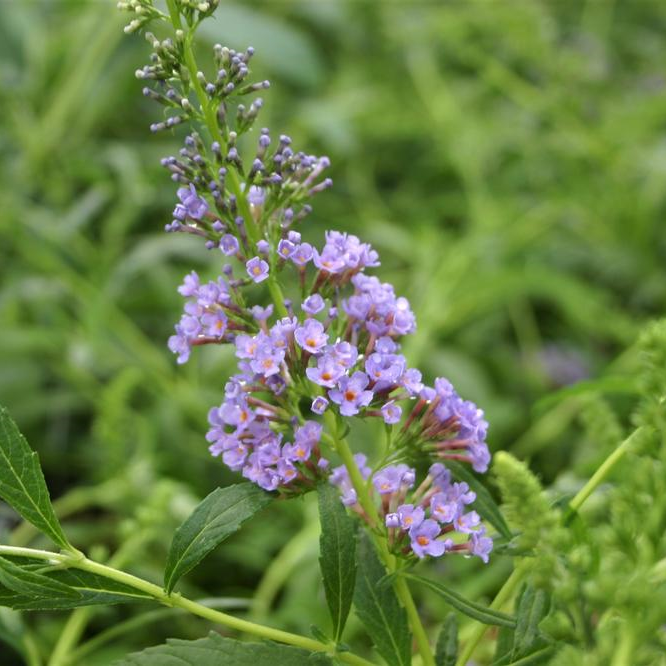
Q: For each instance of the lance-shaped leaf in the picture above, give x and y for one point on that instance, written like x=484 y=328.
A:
x=532 y=608
x=24 y=588
x=484 y=503
x=214 y=650
x=470 y=608
x=446 y=653
x=214 y=519
x=22 y=483
x=378 y=608
x=338 y=556
x=24 y=581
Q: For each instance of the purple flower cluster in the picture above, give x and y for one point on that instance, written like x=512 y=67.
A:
x=204 y=319
x=432 y=520
x=240 y=431
x=375 y=307
x=336 y=351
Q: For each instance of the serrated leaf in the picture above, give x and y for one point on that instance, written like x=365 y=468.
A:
x=378 y=608
x=24 y=581
x=337 y=560
x=470 y=608
x=22 y=483
x=446 y=653
x=532 y=608
x=214 y=650
x=484 y=504
x=66 y=588
x=215 y=518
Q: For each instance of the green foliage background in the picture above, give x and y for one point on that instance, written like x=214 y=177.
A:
x=507 y=160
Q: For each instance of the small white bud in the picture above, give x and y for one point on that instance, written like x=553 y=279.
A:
x=132 y=26
x=140 y=74
x=185 y=103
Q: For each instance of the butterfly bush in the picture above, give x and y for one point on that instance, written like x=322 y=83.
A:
x=309 y=365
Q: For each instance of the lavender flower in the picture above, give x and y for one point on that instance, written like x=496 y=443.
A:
x=311 y=336
x=424 y=540
x=191 y=204
x=327 y=373
x=313 y=304
x=257 y=269
x=229 y=245
x=350 y=394
x=480 y=545
x=319 y=405
x=392 y=478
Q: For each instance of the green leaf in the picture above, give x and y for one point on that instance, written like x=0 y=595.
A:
x=541 y=656
x=22 y=588
x=503 y=646
x=484 y=503
x=338 y=556
x=24 y=581
x=470 y=608
x=446 y=653
x=532 y=608
x=22 y=483
x=378 y=608
x=214 y=650
x=214 y=519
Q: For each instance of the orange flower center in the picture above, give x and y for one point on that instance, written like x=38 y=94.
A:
x=350 y=395
x=423 y=541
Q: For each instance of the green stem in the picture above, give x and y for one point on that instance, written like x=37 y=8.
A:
x=281 y=568
x=505 y=593
x=32 y=655
x=605 y=469
x=276 y=294
x=69 y=636
x=400 y=585
x=177 y=601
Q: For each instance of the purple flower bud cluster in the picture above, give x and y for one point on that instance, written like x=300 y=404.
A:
x=431 y=520
x=447 y=426
x=218 y=205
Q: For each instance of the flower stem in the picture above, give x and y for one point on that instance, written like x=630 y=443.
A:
x=178 y=601
x=505 y=593
x=276 y=294
x=400 y=585
x=605 y=469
